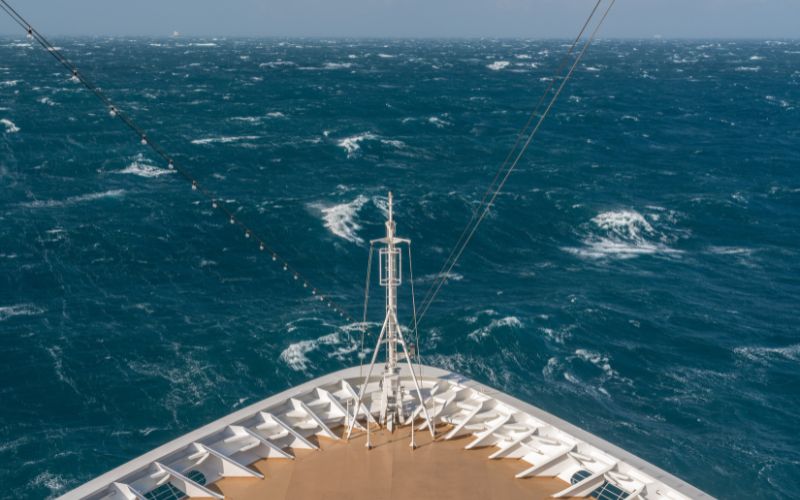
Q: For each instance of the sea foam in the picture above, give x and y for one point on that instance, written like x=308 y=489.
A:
x=225 y=139
x=622 y=234
x=11 y=128
x=341 y=219
x=498 y=65
x=141 y=168
x=7 y=312
x=73 y=200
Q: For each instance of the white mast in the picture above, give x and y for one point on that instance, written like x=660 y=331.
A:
x=390 y=278
x=391 y=403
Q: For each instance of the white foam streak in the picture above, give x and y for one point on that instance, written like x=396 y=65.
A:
x=225 y=139
x=767 y=354
x=113 y=193
x=19 y=310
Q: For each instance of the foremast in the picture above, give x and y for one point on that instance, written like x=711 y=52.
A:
x=392 y=411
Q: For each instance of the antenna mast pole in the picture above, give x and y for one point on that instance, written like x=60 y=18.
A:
x=390 y=276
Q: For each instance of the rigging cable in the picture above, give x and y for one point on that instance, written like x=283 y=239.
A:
x=361 y=353
x=442 y=278
x=522 y=132
x=216 y=202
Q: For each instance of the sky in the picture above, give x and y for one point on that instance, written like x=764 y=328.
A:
x=409 y=18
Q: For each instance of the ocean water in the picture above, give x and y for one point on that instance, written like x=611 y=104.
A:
x=638 y=276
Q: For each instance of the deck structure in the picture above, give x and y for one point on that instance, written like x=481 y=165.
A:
x=488 y=445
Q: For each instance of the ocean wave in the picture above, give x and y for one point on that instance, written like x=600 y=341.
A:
x=451 y=276
x=53 y=482
x=249 y=119
x=751 y=69
x=277 y=64
x=11 y=127
x=495 y=324
x=9 y=83
x=585 y=370
x=337 y=345
x=352 y=144
x=140 y=168
x=337 y=65
x=275 y=114
x=730 y=250
x=225 y=139
x=438 y=122
x=624 y=234
x=768 y=354
x=386 y=56
x=47 y=101
x=498 y=65
x=341 y=219
x=72 y=200
x=7 y=312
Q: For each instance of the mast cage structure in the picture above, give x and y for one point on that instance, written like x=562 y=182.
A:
x=391 y=334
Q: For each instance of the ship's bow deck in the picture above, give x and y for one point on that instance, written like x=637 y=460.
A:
x=390 y=470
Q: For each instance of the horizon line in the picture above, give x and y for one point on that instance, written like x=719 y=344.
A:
x=408 y=37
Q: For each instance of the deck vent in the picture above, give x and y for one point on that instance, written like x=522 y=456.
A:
x=197 y=476
x=165 y=492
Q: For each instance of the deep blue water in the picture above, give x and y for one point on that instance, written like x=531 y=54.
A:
x=638 y=276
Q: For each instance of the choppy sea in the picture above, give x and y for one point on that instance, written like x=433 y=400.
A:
x=639 y=276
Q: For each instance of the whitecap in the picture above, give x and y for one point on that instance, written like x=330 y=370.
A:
x=296 y=355
x=451 y=276
x=752 y=69
x=332 y=65
x=208 y=44
x=72 y=200
x=485 y=331
x=756 y=58
x=11 y=127
x=730 y=250
x=386 y=56
x=767 y=354
x=498 y=65
x=53 y=482
x=352 y=144
x=596 y=359
x=341 y=219
x=225 y=139
x=276 y=64
x=275 y=114
x=9 y=83
x=19 y=310
x=47 y=101
x=140 y=168
x=249 y=119
x=623 y=234
x=438 y=122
